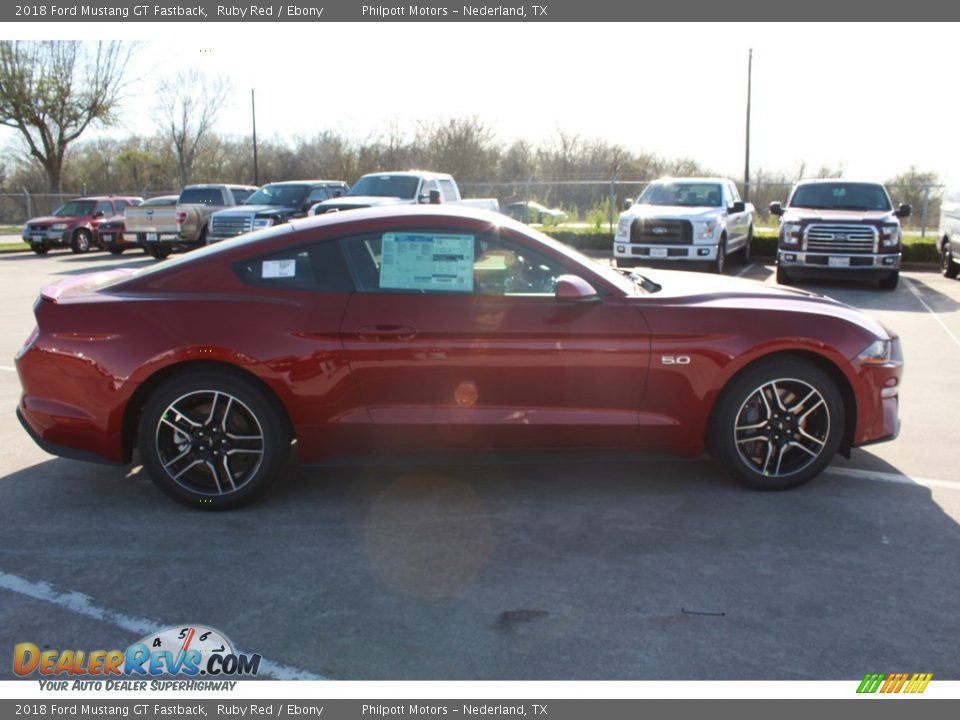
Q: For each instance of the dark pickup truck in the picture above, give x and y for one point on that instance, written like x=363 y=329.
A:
x=273 y=204
x=838 y=227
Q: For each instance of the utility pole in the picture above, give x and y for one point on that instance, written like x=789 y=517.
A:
x=253 y=110
x=746 y=165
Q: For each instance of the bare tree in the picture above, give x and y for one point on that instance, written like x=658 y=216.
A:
x=188 y=109
x=52 y=91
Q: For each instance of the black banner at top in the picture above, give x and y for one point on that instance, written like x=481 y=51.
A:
x=206 y=11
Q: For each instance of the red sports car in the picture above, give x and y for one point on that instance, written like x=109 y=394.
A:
x=407 y=329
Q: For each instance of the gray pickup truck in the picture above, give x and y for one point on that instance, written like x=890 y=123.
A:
x=161 y=230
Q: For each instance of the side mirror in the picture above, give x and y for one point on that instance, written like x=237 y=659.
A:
x=738 y=207
x=628 y=203
x=574 y=289
x=435 y=198
x=776 y=209
x=904 y=211
x=98 y=213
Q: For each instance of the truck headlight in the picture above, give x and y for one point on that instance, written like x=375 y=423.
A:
x=259 y=223
x=58 y=226
x=890 y=235
x=791 y=234
x=623 y=227
x=705 y=229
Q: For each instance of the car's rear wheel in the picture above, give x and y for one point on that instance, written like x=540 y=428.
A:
x=212 y=440
x=948 y=267
x=158 y=252
x=777 y=425
x=115 y=249
x=81 y=241
x=747 y=248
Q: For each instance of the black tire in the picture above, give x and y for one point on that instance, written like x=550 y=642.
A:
x=114 y=249
x=160 y=253
x=718 y=264
x=212 y=440
x=890 y=282
x=777 y=424
x=82 y=241
x=783 y=277
x=40 y=249
x=747 y=249
x=948 y=268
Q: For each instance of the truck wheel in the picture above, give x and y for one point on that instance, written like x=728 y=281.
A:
x=212 y=440
x=777 y=424
x=890 y=281
x=783 y=277
x=718 y=264
x=158 y=252
x=114 y=249
x=40 y=249
x=948 y=267
x=745 y=253
x=81 y=241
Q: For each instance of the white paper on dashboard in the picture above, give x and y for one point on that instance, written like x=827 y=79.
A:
x=279 y=268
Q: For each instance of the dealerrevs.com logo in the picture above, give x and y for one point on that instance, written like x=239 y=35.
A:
x=889 y=683
x=185 y=650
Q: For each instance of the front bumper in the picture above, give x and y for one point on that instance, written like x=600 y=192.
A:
x=656 y=253
x=813 y=264
x=48 y=237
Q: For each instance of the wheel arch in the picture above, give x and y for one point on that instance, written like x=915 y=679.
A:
x=134 y=407
x=837 y=375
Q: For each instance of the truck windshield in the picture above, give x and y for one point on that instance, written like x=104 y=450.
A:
x=75 y=208
x=682 y=194
x=399 y=186
x=283 y=195
x=841 y=196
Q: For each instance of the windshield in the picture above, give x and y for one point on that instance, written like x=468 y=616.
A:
x=201 y=196
x=285 y=195
x=75 y=208
x=682 y=194
x=841 y=196
x=400 y=186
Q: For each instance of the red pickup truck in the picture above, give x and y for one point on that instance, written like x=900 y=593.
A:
x=74 y=224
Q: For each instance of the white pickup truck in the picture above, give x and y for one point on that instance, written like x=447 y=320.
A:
x=688 y=219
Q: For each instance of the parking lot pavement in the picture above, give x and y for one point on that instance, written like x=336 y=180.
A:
x=569 y=567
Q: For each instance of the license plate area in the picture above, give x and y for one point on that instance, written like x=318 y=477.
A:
x=152 y=237
x=838 y=262
x=658 y=252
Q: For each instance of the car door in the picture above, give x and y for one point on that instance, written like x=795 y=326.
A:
x=455 y=337
x=738 y=224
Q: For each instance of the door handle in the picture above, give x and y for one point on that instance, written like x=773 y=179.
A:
x=386 y=332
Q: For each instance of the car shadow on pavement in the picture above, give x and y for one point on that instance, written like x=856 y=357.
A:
x=557 y=570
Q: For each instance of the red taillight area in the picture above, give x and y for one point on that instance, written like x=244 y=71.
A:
x=181 y=216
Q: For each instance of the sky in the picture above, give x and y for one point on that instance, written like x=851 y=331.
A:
x=872 y=99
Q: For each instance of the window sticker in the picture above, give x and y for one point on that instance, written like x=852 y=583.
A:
x=279 y=268
x=417 y=261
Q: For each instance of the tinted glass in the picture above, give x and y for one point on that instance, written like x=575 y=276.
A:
x=841 y=196
x=401 y=186
x=318 y=267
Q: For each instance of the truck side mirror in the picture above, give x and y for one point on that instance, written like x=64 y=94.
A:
x=435 y=197
x=776 y=208
x=738 y=207
x=628 y=203
x=904 y=211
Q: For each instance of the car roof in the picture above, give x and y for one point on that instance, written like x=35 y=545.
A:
x=689 y=180
x=852 y=181
x=216 y=185
x=429 y=174
x=307 y=182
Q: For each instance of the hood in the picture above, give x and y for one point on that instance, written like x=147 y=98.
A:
x=359 y=201
x=723 y=291
x=51 y=219
x=82 y=285
x=686 y=212
x=795 y=214
x=246 y=209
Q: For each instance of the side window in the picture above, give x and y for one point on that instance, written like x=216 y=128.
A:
x=318 y=267
x=427 y=188
x=447 y=191
x=318 y=194
x=121 y=205
x=105 y=207
x=240 y=194
x=734 y=193
x=447 y=261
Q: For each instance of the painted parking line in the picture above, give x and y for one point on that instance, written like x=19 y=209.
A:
x=916 y=293
x=748 y=267
x=892 y=478
x=7 y=368
x=81 y=604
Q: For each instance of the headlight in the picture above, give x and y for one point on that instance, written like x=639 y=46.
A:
x=890 y=235
x=791 y=233
x=259 y=223
x=623 y=227
x=58 y=226
x=882 y=352
x=705 y=229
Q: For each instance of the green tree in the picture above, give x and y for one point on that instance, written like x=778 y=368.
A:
x=52 y=91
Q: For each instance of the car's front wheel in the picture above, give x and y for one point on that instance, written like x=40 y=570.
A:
x=40 y=249
x=212 y=440
x=777 y=424
x=81 y=241
x=948 y=266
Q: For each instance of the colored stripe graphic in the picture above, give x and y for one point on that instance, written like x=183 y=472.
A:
x=894 y=682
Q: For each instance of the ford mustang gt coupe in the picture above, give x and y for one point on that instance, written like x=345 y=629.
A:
x=416 y=328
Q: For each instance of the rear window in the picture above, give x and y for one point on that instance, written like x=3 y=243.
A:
x=201 y=196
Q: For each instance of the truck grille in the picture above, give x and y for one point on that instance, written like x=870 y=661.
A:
x=841 y=238
x=661 y=232
x=231 y=225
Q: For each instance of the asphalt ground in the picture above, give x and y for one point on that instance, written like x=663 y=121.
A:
x=561 y=567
